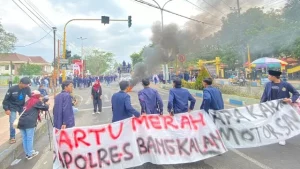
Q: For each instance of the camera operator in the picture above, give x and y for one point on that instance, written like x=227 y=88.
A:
x=14 y=102
x=28 y=121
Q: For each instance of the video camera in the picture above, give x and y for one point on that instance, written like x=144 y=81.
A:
x=45 y=99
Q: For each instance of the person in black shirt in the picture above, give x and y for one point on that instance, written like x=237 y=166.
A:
x=96 y=96
x=14 y=101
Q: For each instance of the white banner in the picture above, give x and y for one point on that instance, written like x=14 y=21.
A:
x=184 y=138
x=258 y=124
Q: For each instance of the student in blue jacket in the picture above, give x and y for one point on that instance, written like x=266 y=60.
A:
x=278 y=89
x=212 y=97
x=179 y=99
x=121 y=105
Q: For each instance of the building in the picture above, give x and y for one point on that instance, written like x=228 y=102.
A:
x=10 y=62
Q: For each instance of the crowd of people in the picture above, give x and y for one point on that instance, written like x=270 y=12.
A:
x=180 y=101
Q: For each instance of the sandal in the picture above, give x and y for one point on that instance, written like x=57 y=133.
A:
x=12 y=141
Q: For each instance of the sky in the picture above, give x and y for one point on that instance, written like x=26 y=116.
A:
x=115 y=37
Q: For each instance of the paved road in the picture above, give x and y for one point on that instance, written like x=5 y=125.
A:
x=267 y=157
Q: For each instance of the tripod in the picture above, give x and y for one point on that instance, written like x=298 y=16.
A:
x=48 y=117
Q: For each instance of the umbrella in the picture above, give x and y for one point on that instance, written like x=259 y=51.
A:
x=268 y=62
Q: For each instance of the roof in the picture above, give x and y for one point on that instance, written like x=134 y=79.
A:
x=13 y=57
x=37 y=59
x=22 y=58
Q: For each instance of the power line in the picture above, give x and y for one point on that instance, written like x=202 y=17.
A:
x=200 y=8
x=35 y=10
x=225 y=3
x=29 y=16
x=35 y=41
x=213 y=7
x=151 y=5
x=35 y=15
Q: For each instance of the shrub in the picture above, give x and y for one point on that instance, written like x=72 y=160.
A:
x=16 y=79
x=240 y=91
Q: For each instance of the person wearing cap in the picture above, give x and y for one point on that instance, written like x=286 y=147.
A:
x=121 y=104
x=179 y=99
x=150 y=99
x=28 y=121
x=63 y=115
x=212 y=97
x=14 y=102
x=278 y=89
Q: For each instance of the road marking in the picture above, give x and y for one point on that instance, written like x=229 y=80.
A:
x=88 y=101
x=106 y=98
x=263 y=166
x=81 y=98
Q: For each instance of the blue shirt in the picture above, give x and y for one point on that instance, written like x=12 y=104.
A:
x=150 y=101
x=62 y=111
x=284 y=90
x=121 y=107
x=178 y=100
x=212 y=99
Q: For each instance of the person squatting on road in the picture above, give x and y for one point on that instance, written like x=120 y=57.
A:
x=278 y=89
x=121 y=105
x=14 y=102
x=28 y=121
x=212 y=97
x=96 y=97
x=179 y=99
x=63 y=109
x=150 y=99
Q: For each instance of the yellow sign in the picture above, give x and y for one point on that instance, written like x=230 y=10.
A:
x=63 y=75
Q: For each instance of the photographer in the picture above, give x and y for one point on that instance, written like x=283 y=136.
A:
x=28 y=121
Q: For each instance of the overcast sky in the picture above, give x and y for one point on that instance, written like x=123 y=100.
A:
x=115 y=37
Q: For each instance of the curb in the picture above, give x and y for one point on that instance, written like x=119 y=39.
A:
x=9 y=152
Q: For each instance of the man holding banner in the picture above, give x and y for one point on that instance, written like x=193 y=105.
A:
x=212 y=97
x=150 y=99
x=121 y=105
x=179 y=99
x=278 y=89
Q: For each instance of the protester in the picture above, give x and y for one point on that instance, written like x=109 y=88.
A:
x=42 y=90
x=14 y=101
x=96 y=97
x=150 y=99
x=62 y=111
x=278 y=89
x=178 y=99
x=212 y=97
x=28 y=121
x=121 y=105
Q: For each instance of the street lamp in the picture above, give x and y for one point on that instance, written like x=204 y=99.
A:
x=161 y=12
x=82 y=39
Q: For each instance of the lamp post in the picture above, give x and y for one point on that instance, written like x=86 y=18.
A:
x=82 y=39
x=165 y=67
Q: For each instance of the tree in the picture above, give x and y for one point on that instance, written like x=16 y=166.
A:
x=70 y=59
x=7 y=41
x=136 y=58
x=29 y=69
x=99 y=61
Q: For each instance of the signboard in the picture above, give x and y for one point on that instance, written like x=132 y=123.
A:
x=181 y=58
x=63 y=61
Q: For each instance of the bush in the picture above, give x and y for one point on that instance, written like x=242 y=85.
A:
x=16 y=80
x=189 y=85
x=242 y=92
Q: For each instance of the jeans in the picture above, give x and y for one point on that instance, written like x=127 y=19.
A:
x=97 y=104
x=28 y=137
x=12 y=118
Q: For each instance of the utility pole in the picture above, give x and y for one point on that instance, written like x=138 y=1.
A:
x=54 y=70
x=238 y=7
x=82 y=39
